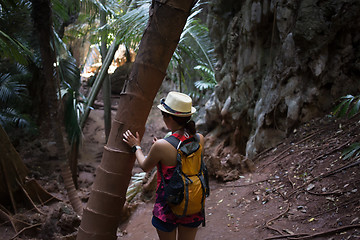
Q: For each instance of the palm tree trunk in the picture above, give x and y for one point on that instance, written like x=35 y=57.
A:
x=41 y=13
x=106 y=85
x=103 y=211
x=99 y=81
x=73 y=161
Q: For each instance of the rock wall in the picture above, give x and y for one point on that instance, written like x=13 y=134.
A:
x=280 y=63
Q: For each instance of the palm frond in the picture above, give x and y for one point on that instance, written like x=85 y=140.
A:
x=130 y=26
x=5 y=3
x=61 y=48
x=135 y=186
x=352 y=151
x=195 y=48
x=60 y=9
x=349 y=106
x=10 y=118
x=87 y=24
x=13 y=49
x=70 y=81
x=71 y=116
x=196 y=35
x=208 y=78
x=10 y=89
x=111 y=7
x=13 y=99
x=69 y=73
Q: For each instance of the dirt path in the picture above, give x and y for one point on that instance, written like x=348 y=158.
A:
x=285 y=196
x=301 y=189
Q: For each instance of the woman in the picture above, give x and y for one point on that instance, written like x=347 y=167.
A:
x=177 y=110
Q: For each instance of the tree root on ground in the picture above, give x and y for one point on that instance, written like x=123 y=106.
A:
x=339 y=169
x=301 y=236
x=24 y=229
x=334 y=208
x=273 y=219
x=19 y=226
x=315 y=133
x=253 y=183
x=278 y=158
x=33 y=192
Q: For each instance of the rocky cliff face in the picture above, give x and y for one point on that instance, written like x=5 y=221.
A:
x=281 y=63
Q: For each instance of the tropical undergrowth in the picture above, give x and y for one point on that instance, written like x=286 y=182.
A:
x=349 y=107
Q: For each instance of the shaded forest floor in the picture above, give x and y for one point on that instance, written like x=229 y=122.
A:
x=301 y=189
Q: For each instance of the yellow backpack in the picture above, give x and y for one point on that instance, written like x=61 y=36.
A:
x=188 y=187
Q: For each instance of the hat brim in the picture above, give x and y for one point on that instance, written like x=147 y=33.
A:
x=193 y=110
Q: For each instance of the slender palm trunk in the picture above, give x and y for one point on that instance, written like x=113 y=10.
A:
x=103 y=211
x=41 y=11
x=106 y=84
x=99 y=81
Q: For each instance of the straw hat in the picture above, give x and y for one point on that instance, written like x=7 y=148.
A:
x=177 y=104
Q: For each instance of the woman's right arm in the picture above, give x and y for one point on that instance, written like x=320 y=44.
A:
x=159 y=151
x=146 y=163
x=155 y=155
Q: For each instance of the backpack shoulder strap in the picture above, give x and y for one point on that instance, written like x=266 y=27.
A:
x=197 y=137
x=174 y=141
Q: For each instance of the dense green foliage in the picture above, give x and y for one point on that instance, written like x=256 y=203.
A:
x=191 y=66
x=16 y=63
x=193 y=55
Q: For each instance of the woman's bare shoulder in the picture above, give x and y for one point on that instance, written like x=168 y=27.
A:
x=161 y=147
x=162 y=143
x=164 y=152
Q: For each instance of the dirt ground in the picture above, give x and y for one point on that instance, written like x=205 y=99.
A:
x=301 y=189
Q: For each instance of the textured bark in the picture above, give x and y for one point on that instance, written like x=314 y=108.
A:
x=41 y=11
x=103 y=211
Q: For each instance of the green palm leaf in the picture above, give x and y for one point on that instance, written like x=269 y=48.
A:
x=70 y=83
x=349 y=106
x=69 y=75
x=208 y=78
x=13 y=99
x=13 y=49
x=130 y=26
x=195 y=45
x=195 y=34
x=353 y=150
x=10 y=117
x=10 y=89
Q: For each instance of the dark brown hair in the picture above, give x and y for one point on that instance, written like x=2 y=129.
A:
x=185 y=122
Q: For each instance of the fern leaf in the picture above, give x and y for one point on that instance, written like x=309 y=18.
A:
x=354 y=149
